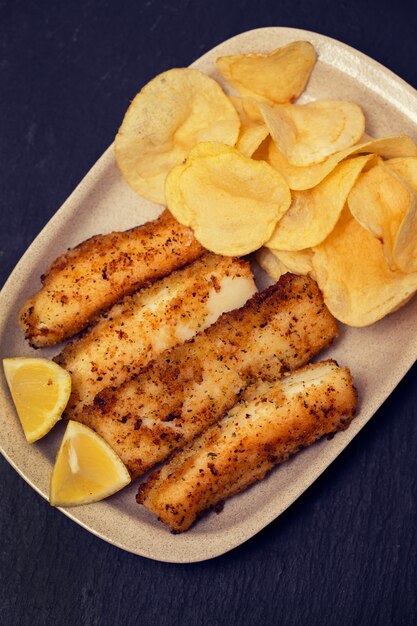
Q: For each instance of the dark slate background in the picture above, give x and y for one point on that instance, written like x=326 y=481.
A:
x=345 y=552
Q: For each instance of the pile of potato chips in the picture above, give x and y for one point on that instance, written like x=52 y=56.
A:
x=300 y=183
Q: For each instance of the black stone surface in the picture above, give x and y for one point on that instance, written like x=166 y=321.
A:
x=345 y=552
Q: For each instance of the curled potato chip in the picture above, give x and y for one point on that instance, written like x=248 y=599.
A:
x=232 y=202
x=251 y=138
x=173 y=112
x=309 y=133
x=383 y=203
x=279 y=76
x=253 y=129
x=406 y=168
x=174 y=197
x=298 y=261
x=279 y=262
x=261 y=153
x=299 y=178
x=357 y=285
x=313 y=213
x=270 y=263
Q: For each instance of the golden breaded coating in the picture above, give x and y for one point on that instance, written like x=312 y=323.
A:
x=94 y=275
x=271 y=422
x=191 y=386
x=157 y=317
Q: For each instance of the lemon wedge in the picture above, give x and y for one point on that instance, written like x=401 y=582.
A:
x=86 y=468
x=40 y=390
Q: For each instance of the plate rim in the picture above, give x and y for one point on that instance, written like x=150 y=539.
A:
x=11 y=289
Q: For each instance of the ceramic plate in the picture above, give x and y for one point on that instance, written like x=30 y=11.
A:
x=379 y=356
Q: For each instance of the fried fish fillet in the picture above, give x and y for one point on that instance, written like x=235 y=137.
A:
x=191 y=386
x=98 y=272
x=271 y=422
x=157 y=317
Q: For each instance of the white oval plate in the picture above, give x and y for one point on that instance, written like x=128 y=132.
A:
x=379 y=356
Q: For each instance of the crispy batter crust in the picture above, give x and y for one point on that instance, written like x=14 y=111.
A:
x=191 y=386
x=155 y=318
x=98 y=272
x=271 y=422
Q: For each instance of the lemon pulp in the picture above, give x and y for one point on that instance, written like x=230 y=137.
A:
x=40 y=390
x=86 y=469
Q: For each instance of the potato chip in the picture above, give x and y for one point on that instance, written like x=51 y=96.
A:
x=253 y=129
x=314 y=212
x=279 y=76
x=358 y=286
x=365 y=138
x=232 y=202
x=406 y=168
x=173 y=112
x=261 y=153
x=174 y=197
x=270 y=263
x=309 y=133
x=248 y=110
x=299 y=178
x=251 y=138
x=383 y=203
x=298 y=261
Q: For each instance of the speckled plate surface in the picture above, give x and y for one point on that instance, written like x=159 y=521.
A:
x=379 y=356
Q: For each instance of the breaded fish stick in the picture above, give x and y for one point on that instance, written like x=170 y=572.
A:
x=98 y=272
x=271 y=422
x=191 y=386
x=157 y=317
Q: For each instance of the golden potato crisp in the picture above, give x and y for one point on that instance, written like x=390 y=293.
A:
x=231 y=202
x=383 y=203
x=358 y=286
x=309 y=133
x=299 y=178
x=174 y=197
x=270 y=263
x=261 y=154
x=173 y=191
x=276 y=77
x=296 y=261
x=314 y=212
x=253 y=129
x=406 y=168
x=173 y=112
